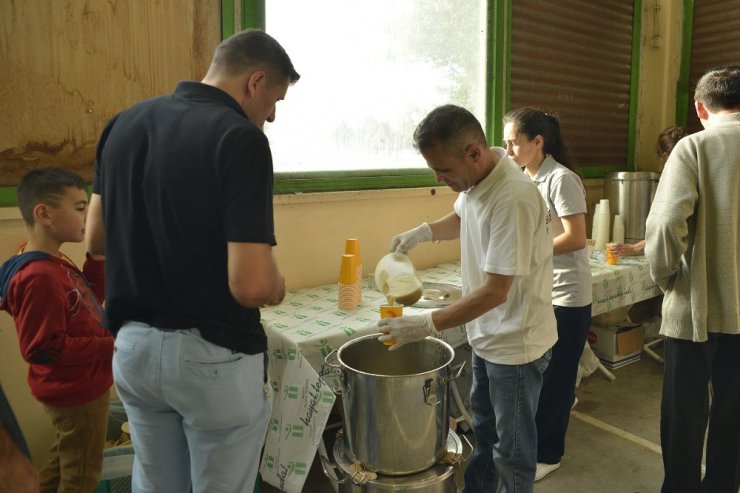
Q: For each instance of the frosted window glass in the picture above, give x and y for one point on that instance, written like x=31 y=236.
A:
x=370 y=71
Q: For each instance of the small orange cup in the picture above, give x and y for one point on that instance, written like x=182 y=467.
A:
x=390 y=311
x=611 y=257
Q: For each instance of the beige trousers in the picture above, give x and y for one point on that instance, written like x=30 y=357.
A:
x=76 y=458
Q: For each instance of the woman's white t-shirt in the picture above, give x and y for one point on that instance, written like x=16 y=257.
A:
x=564 y=194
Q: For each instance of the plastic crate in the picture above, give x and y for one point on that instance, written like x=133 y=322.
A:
x=118 y=462
x=117 y=485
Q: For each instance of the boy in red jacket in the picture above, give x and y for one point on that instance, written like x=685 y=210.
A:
x=57 y=312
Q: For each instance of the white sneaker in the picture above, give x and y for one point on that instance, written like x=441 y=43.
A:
x=544 y=469
x=575 y=401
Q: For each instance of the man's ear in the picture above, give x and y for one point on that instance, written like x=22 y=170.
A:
x=701 y=110
x=42 y=214
x=473 y=152
x=252 y=81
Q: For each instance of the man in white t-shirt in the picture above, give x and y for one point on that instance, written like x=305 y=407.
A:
x=506 y=244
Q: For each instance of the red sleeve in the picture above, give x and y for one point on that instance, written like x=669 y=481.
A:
x=41 y=314
x=94 y=271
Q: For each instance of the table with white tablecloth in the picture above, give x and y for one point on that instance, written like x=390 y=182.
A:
x=307 y=326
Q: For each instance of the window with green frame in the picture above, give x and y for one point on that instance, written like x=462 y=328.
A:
x=370 y=71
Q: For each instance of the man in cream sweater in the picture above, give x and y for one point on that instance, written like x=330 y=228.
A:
x=693 y=246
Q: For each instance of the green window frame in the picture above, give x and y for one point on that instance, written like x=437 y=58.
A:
x=242 y=14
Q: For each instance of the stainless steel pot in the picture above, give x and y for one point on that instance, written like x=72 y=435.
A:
x=630 y=194
x=437 y=479
x=395 y=402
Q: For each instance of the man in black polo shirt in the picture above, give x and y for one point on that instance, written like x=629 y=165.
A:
x=182 y=210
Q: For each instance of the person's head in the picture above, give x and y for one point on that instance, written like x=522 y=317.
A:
x=667 y=141
x=530 y=134
x=717 y=91
x=55 y=200
x=255 y=69
x=453 y=143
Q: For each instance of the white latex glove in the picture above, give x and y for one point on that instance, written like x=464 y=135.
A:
x=403 y=330
x=404 y=242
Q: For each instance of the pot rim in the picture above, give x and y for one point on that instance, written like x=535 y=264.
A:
x=450 y=352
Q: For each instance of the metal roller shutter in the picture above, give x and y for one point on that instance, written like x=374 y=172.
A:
x=574 y=58
x=715 y=42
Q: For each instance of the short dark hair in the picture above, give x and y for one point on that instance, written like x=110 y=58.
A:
x=447 y=125
x=252 y=48
x=719 y=89
x=44 y=186
x=667 y=140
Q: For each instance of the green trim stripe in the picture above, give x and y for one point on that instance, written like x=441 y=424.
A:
x=498 y=67
x=253 y=14
x=8 y=197
x=289 y=183
x=634 y=82
x=597 y=171
x=505 y=26
x=684 y=70
x=228 y=25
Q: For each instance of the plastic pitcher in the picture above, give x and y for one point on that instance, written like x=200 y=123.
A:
x=395 y=277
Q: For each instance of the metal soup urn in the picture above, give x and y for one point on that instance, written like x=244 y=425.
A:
x=630 y=194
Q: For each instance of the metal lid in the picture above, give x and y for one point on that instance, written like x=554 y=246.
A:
x=633 y=175
x=438 y=294
x=435 y=474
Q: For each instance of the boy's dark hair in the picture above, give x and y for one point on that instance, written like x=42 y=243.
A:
x=253 y=48
x=44 y=186
x=447 y=125
x=719 y=89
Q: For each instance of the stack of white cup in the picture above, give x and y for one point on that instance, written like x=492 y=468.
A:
x=618 y=231
x=601 y=227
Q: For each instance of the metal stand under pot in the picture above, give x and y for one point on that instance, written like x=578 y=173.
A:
x=439 y=478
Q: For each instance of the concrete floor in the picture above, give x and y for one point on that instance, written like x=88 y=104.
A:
x=613 y=439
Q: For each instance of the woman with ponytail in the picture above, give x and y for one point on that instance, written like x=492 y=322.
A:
x=533 y=139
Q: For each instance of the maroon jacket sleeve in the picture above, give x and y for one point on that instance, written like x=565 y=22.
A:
x=41 y=316
x=94 y=271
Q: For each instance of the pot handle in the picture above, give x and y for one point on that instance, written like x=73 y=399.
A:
x=332 y=361
x=333 y=471
x=457 y=370
x=472 y=449
x=430 y=392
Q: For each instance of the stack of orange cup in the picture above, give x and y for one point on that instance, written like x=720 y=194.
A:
x=352 y=247
x=348 y=299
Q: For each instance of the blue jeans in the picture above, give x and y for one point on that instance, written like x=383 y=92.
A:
x=504 y=404
x=197 y=411
x=559 y=383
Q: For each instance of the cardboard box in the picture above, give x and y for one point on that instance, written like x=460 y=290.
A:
x=616 y=344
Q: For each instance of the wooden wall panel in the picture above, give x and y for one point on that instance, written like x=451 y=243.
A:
x=66 y=67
